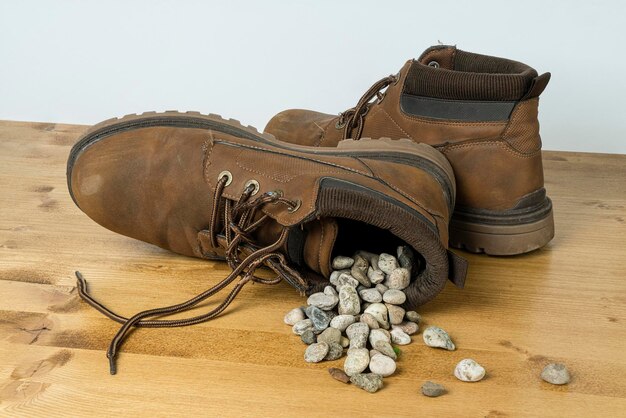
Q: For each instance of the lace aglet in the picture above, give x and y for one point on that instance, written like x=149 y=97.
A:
x=112 y=365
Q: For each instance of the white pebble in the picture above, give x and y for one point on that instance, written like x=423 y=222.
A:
x=394 y=296
x=409 y=327
x=438 y=338
x=323 y=301
x=400 y=337
x=469 y=371
x=316 y=352
x=379 y=335
x=379 y=312
x=387 y=263
x=375 y=276
x=370 y=295
x=302 y=326
x=358 y=359
x=340 y=263
x=396 y=314
x=399 y=279
x=294 y=316
x=341 y=322
x=358 y=333
x=382 y=365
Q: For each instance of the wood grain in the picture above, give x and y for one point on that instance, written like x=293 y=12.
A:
x=566 y=302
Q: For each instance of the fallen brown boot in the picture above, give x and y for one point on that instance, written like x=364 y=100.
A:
x=210 y=188
x=481 y=113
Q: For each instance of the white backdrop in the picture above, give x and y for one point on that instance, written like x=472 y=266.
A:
x=84 y=61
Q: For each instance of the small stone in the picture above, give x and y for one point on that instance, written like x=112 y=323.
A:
x=379 y=335
x=336 y=273
x=387 y=263
x=319 y=317
x=394 y=297
x=413 y=317
x=359 y=270
x=329 y=336
x=322 y=301
x=381 y=288
x=301 y=327
x=340 y=263
x=344 y=279
x=308 y=337
x=358 y=359
x=370 y=382
x=382 y=365
x=408 y=327
x=316 y=352
x=341 y=322
x=339 y=374
x=373 y=352
x=294 y=316
x=438 y=338
x=398 y=279
x=556 y=373
x=371 y=295
x=400 y=337
x=349 y=303
x=385 y=348
x=368 y=319
x=335 y=351
x=375 y=276
x=405 y=257
x=330 y=291
x=371 y=258
x=396 y=314
x=469 y=371
x=345 y=342
x=379 y=312
x=358 y=333
x=432 y=389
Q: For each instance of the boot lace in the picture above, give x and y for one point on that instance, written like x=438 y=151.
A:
x=241 y=253
x=353 y=118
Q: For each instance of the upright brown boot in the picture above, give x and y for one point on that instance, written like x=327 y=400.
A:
x=210 y=188
x=481 y=113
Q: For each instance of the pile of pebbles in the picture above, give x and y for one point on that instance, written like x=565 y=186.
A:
x=360 y=315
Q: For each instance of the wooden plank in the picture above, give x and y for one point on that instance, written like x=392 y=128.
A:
x=566 y=302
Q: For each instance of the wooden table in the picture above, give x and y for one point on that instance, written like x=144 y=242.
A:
x=566 y=303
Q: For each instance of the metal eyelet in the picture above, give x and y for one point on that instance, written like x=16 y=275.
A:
x=298 y=203
x=228 y=175
x=434 y=64
x=339 y=125
x=255 y=184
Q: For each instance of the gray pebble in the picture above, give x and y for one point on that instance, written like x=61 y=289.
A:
x=336 y=273
x=323 y=301
x=379 y=312
x=406 y=257
x=396 y=314
x=381 y=288
x=387 y=263
x=349 y=303
x=330 y=336
x=385 y=348
x=330 y=291
x=357 y=360
x=308 y=337
x=345 y=342
x=408 y=327
x=382 y=365
x=432 y=389
x=344 y=279
x=319 y=317
x=368 y=319
x=379 y=335
x=358 y=333
x=359 y=270
x=394 y=296
x=375 y=276
x=399 y=278
x=316 y=352
x=370 y=382
x=556 y=373
x=341 y=322
x=371 y=295
x=335 y=351
x=438 y=338
x=340 y=263
x=294 y=316
x=302 y=326
x=400 y=337
x=413 y=317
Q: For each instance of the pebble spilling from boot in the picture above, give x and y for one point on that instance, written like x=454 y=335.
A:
x=360 y=311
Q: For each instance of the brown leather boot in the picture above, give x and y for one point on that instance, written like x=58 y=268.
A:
x=481 y=113
x=207 y=187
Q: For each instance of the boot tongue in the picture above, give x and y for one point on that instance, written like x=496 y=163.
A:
x=312 y=245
